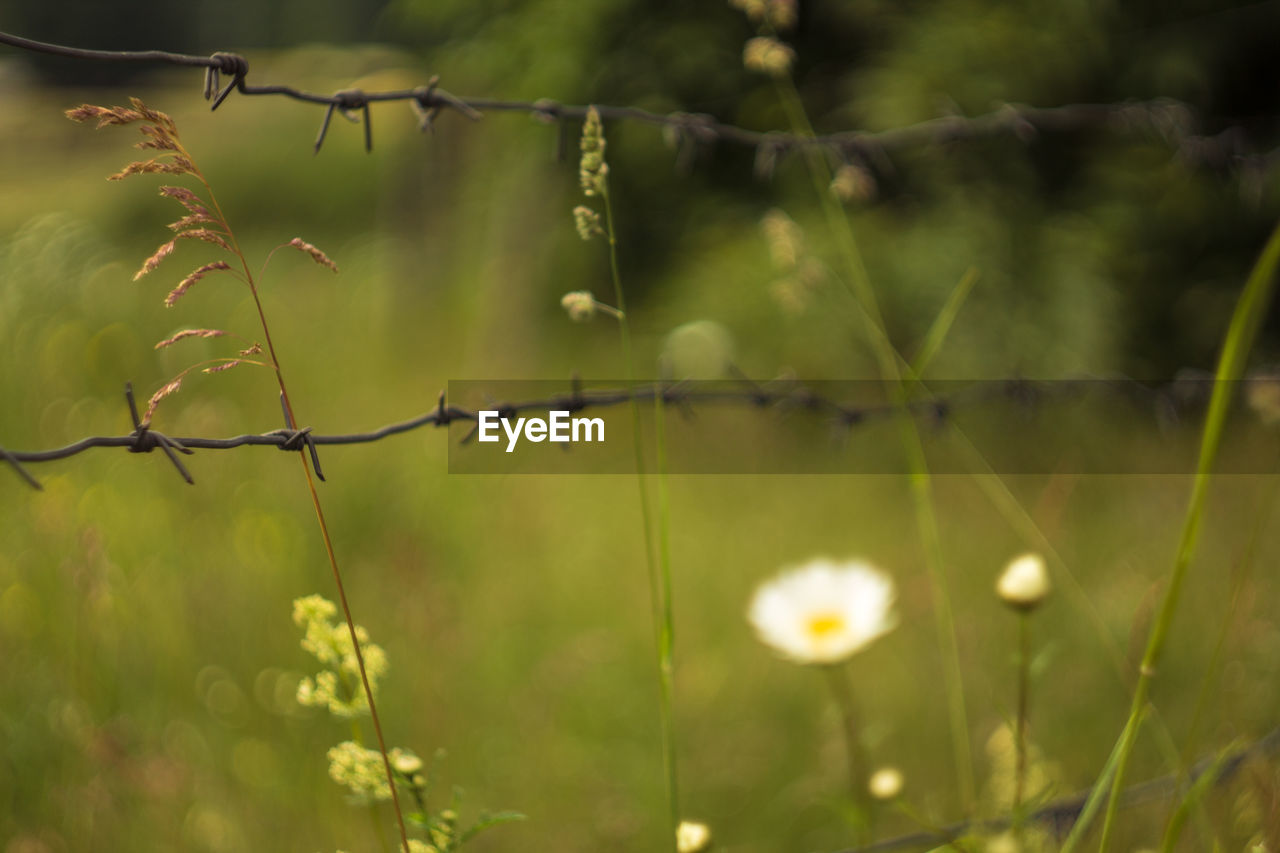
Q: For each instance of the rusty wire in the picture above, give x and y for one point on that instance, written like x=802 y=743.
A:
x=1165 y=118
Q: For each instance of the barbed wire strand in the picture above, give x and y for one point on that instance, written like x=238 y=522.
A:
x=784 y=394
x=1168 y=119
x=1060 y=815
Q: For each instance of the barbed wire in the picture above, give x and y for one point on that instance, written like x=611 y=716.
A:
x=1059 y=816
x=1168 y=119
x=782 y=395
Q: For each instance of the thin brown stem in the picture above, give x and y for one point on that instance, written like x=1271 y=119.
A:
x=315 y=503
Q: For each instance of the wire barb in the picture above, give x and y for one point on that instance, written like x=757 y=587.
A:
x=296 y=439
x=227 y=63
x=145 y=439
x=22 y=472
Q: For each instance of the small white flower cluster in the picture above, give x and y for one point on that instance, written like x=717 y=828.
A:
x=337 y=687
x=580 y=304
x=587 y=221
x=359 y=770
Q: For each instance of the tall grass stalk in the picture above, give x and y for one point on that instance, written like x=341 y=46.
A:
x=173 y=158
x=1243 y=329
x=658 y=560
x=320 y=519
x=897 y=374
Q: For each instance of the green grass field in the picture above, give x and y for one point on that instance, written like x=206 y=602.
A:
x=148 y=664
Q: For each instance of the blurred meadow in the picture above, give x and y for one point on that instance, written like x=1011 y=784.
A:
x=148 y=662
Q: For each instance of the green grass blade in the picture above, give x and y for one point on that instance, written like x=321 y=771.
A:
x=933 y=340
x=1243 y=329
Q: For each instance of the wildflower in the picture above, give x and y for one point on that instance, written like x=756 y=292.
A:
x=783 y=238
x=823 y=612
x=768 y=56
x=853 y=183
x=360 y=770
x=405 y=762
x=885 y=783
x=692 y=837
x=587 y=221
x=592 y=169
x=580 y=304
x=1025 y=582
x=337 y=686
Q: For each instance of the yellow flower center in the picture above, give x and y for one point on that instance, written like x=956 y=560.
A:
x=825 y=624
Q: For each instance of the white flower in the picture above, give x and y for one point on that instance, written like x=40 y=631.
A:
x=692 y=837
x=580 y=304
x=1025 y=582
x=823 y=612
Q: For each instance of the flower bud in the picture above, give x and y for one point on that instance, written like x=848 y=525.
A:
x=580 y=304
x=692 y=837
x=1025 y=582
x=885 y=783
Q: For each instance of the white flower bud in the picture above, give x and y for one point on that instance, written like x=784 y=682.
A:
x=885 y=783
x=692 y=837
x=1025 y=582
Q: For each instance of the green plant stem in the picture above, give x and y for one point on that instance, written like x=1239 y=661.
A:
x=666 y=650
x=320 y=518
x=1020 y=733
x=856 y=764
x=892 y=370
x=659 y=579
x=1245 y=320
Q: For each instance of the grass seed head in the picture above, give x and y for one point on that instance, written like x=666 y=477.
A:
x=316 y=255
x=580 y=304
x=196 y=275
x=592 y=168
x=769 y=56
x=190 y=333
x=165 y=391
